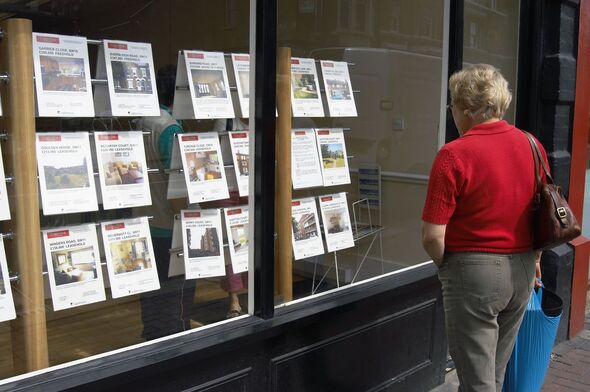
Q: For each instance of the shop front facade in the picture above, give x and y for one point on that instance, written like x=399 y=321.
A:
x=242 y=212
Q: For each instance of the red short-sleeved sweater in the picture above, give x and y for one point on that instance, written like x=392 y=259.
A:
x=481 y=186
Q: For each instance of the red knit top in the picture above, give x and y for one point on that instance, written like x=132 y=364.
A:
x=481 y=186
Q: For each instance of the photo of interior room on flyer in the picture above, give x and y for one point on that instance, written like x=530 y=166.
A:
x=63 y=73
x=208 y=83
x=130 y=255
x=74 y=265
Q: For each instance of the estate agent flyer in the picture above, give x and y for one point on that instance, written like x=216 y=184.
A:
x=130 y=257
x=240 y=151
x=241 y=63
x=305 y=162
x=129 y=70
x=202 y=86
x=66 y=175
x=202 y=243
x=73 y=266
x=307 y=241
x=4 y=207
x=338 y=88
x=236 y=225
x=332 y=151
x=336 y=219
x=62 y=76
x=305 y=89
x=203 y=167
x=7 y=311
x=122 y=169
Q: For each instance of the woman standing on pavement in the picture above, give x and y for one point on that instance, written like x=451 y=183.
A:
x=477 y=224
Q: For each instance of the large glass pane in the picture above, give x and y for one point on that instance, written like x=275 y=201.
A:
x=201 y=281
x=393 y=50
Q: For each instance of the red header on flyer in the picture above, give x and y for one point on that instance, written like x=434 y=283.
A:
x=114 y=45
x=48 y=40
x=57 y=234
x=240 y=135
x=323 y=132
x=327 y=64
x=294 y=61
x=326 y=198
x=243 y=57
x=234 y=212
x=115 y=226
x=192 y=214
x=110 y=136
x=192 y=138
x=295 y=203
x=195 y=55
x=50 y=138
x=299 y=133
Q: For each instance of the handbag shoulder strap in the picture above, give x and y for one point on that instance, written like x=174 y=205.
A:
x=539 y=161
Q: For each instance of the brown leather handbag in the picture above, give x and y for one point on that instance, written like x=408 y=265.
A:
x=553 y=221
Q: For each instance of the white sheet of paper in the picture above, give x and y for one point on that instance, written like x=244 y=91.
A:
x=176 y=186
x=306 y=100
x=4 y=207
x=130 y=257
x=332 y=152
x=73 y=264
x=205 y=76
x=236 y=225
x=241 y=64
x=336 y=219
x=305 y=162
x=307 y=240
x=66 y=175
x=176 y=264
x=129 y=70
x=7 y=311
x=202 y=163
x=339 y=93
x=202 y=243
x=62 y=76
x=240 y=151
x=122 y=169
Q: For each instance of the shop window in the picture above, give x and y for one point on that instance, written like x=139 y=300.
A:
x=142 y=145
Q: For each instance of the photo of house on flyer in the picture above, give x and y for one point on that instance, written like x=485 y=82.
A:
x=73 y=266
x=334 y=160
x=202 y=163
x=129 y=70
x=66 y=175
x=202 y=243
x=240 y=151
x=122 y=169
x=339 y=93
x=62 y=76
x=306 y=98
x=130 y=257
x=4 y=207
x=7 y=311
x=336 y=222
x=307 y=240
x=236 y=225
x=305 y=162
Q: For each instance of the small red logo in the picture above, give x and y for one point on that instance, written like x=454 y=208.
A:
x=195 y=55
x=115 y=226
x=243 y=57
x=110 y=136
x=191 y=138
x=325 y=132
x=295 y=203
x=48 y=40
x=294 y=61
x=327 y=64
x=240 y=135
x=57 y=234
x=114 y=45
x=326 y=198
x=299 y=133
x=50 y=138
x=234 y=212
x=192 y=214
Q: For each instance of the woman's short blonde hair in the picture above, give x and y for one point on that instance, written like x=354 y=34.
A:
x=481 y=91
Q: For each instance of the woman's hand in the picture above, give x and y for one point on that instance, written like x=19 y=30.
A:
x=538 y=268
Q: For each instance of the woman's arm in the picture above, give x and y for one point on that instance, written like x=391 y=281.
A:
x=433 y=241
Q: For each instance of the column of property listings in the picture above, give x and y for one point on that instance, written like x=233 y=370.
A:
x=125 y=86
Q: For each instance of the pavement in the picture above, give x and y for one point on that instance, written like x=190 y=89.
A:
x=569 y=370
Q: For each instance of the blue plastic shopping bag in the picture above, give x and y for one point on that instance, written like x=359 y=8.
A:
x=532 y=352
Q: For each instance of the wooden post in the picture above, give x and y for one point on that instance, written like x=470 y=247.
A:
x=16 y=58
x=284 y=261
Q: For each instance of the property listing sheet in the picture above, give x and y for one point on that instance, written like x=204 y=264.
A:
x=202 y=163
x=305 y=162
x=129 y=70
x=307 y=240
x=336 y=219
x=339 y=93
x=7 y=311
x=122 y=169
x=202 y=243
x=236 y=225
x=73 y=265
x=130 y=256
x=240 y=151
x=66 y=175
x=332 y=151
x=306 y=100
x=62 y=76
